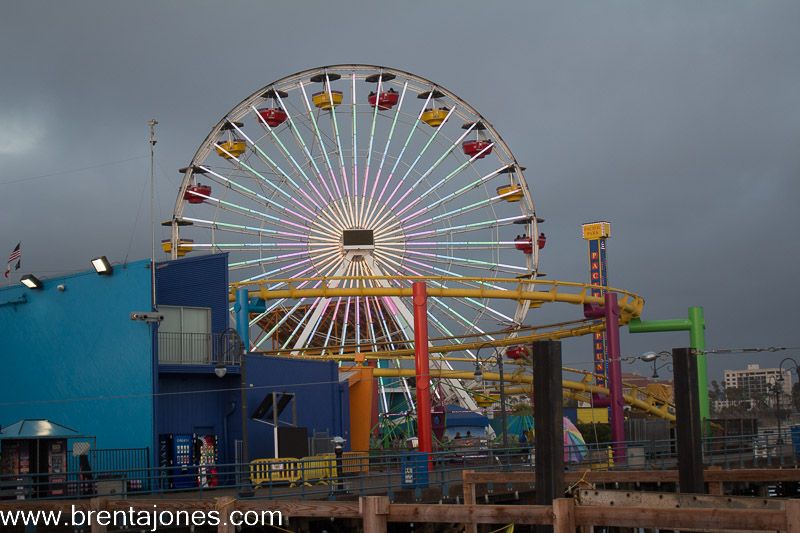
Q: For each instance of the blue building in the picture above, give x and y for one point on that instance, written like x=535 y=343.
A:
x=73 y=355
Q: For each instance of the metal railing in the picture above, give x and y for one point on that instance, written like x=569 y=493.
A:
x=199 y=348
x=387 y=473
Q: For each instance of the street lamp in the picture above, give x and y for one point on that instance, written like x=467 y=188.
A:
x=776 y=388
x=653 y=357
x=479 y=379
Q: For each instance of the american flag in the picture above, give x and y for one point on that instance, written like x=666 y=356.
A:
x=16 y=255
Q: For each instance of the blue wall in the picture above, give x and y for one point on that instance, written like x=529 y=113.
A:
x=322 y=402
x=200 y=281
x=67 y=355
x=203 y=404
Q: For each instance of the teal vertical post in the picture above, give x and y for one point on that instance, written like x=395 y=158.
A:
x=696 y=326
x=242 y=309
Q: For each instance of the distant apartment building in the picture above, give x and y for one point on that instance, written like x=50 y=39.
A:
x=756 y=383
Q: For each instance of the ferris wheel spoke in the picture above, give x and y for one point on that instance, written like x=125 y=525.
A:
x=288 y=154
x=354 y=157
x=277 y=168
x=385 y=150
x=414 y=127
x=274 y=259
x=472 y=263
x=324 y=150
x=456 y=212
x=449 y=245
x=437 y=323
x=330 y=326
x=244 y=230
x=253 y=196
x=298 y=137
x=463 y=228
x=428 y=172
x=413 y=164
x=289 y=314
x=341 y=155
x=450 y=196
x=399 y=261
x=438 y=271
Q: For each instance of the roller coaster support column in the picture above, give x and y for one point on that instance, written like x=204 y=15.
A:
x=242 y=308
x=615 y=377
x=610 y=312
x=695 y=324
x=423 y=372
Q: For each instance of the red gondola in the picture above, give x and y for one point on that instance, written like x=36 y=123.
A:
x=193 y=191
x=273 y=116
x=473 y=148
x=524 y=244
x=516 y=352
x=386 y=100
x=541 y=241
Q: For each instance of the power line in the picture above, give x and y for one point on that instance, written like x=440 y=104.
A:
x=71 y=171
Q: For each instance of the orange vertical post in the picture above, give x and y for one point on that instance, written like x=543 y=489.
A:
x=424 y=431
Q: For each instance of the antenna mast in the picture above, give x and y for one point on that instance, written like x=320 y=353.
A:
x=152 y=123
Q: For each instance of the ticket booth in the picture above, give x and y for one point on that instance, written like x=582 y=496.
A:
x=33 y=459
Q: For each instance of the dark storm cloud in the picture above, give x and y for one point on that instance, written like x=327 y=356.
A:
x=677 y=121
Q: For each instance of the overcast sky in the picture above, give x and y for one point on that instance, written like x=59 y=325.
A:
x=677 y=121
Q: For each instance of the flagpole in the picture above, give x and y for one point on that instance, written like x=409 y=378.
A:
x=152 y=123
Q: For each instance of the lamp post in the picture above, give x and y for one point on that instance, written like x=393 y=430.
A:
x=479 y=378
x=653 y=357
x=778 y=386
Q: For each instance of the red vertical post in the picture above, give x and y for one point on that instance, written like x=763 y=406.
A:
x=424 y=431
x=615 y=377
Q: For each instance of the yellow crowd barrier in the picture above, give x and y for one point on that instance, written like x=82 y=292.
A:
x=281 y=470
x=319 y=468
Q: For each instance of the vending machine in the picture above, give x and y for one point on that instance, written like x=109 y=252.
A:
x=183 y=462
x=165 y=460
x=207 y=454
x=57 y=467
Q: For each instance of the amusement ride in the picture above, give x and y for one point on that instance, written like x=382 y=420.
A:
x=334 y=189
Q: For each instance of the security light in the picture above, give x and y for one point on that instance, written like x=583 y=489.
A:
x=31 y=281
x=102 y=266
x=220 y=370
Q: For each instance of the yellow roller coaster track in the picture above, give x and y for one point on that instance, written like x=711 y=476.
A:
x=522 y=290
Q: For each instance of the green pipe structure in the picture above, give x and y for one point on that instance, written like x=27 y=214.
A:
x=695 y=324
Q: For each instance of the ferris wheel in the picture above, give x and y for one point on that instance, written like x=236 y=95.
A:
x=362 y=174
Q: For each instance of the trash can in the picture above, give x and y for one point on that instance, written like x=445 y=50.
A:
x=414 y=470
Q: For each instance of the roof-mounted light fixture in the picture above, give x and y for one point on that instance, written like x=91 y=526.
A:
x=31 y=281
x=102 y=266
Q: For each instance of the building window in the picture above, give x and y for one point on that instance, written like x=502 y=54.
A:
x=184 y=336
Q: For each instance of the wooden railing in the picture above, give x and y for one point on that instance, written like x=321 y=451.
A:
x=375 y=512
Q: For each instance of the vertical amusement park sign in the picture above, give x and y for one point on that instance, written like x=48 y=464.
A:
x=596 y=233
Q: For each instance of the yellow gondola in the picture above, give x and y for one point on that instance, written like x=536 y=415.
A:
x=184 y=246
x=232 y=148
x=434 y=117
x=323 y=100
x=485 y=400
x=510 y=192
